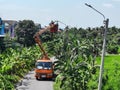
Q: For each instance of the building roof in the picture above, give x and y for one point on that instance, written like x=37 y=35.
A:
x=10 y=22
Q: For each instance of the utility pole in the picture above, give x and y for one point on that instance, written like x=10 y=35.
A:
x=105 y=21
x=103 y=54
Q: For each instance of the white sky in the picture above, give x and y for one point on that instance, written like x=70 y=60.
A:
x=71 y=12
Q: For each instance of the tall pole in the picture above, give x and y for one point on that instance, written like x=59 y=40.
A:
x=103 y=54
x=103 y=48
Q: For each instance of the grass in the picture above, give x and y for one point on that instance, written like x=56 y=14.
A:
x=111 y=70
x=109 y=61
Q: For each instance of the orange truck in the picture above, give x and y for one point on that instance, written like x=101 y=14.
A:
x=44 y=67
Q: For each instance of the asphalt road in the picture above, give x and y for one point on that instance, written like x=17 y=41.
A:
x=30 y=83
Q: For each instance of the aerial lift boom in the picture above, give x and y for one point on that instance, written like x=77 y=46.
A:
x=52 y=27
x=44 y=66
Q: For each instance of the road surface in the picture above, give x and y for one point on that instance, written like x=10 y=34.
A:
x=30 y=83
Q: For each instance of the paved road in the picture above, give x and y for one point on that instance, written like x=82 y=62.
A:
x=30 y=83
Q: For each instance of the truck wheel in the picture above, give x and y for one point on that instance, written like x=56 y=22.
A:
x=37 y=78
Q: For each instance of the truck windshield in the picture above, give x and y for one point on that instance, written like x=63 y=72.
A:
x=44 y=65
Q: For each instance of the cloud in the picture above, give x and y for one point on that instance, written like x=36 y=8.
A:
x=108 y=5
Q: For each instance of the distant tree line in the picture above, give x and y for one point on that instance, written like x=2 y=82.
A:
x=26 y=29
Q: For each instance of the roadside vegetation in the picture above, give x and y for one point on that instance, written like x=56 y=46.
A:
x=111 y=80
x=14 y=64
x=78 y=52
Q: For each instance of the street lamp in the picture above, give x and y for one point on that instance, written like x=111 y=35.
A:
x=103 y=47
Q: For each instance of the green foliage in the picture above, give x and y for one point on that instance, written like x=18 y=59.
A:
x=10 y=42
x=113 y=49
x=111 y=78
x=111 y=72
x=25 y=31
x=14 y=64
x=76 y=46
x=75 y=62
x=76 y=51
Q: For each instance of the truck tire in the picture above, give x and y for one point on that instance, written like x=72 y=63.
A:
x=37 y=78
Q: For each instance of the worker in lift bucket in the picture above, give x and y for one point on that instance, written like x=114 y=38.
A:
x=53 y=27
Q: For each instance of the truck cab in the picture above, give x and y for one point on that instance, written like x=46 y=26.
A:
x=44 y=69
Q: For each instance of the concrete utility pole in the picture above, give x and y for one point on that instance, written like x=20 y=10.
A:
x=103 y=48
